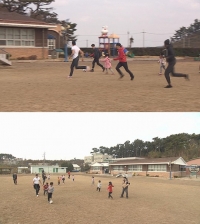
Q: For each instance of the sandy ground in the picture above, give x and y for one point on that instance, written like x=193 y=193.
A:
x=43 y=86
x=151 y=200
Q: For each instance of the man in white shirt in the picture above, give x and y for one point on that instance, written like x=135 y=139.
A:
x=36 y=184
x=75 y=56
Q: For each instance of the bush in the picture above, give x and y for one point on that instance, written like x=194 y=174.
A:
x=175 y=176
x=32 y=57
x=147 y=175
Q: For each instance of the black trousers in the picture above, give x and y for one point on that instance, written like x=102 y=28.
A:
x=125 y=65
x=49 y=196
x=74 y=64
x=15 y=181
x=96 y=60
x=110 y=195
x=37 y=188
x=170 y=69
x=98 y=189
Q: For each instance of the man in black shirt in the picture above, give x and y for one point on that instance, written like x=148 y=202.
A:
x=96 y=55
x=170 y=58
x=15 y=178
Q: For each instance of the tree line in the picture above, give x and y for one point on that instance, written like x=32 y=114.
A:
x=183 y=145
x=184 y=32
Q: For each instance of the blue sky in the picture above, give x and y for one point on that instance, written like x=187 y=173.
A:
x=69 y=135
x=159 y=19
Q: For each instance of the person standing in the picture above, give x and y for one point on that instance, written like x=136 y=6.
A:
x=75 y=56
x=170 y=58
x=36 y=184
x=45 y=188
x=68 y=174
x=63 y=179
x=161 y=61
x=96 y=55
x=125 y=186
x=122 y=62
x=50 y=192
x=110 y=187
x=99 y=186
x=15 y=178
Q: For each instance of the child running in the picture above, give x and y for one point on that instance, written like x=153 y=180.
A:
x=50 y=192
x=99 y=186
x=45 y=188
x=162 y=63
x=107 y=64
x=58 y=180
x=110 y=186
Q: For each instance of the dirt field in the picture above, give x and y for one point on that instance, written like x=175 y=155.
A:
x=43 y=86
x=151 y=200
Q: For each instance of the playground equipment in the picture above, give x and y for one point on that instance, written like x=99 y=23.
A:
x=107 y=43
x=4 y=58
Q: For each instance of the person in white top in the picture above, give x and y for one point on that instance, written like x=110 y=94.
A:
x=75 y=56
x=162 y=63
x=36 y=184
x=99 y=186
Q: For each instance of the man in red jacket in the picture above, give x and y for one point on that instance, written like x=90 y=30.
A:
x=122 y=61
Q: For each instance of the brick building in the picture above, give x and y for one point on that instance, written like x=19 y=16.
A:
x=162 y=167
x=23 y=36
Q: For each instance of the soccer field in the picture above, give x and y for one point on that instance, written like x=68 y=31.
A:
x=151 y=200
x=43 y=86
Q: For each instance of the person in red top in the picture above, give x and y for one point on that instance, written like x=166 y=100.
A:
x=110 y=186
x=122 y=61
x=45 y=188
x=68 y=174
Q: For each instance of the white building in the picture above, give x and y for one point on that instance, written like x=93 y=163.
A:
x=76 y=168
x=48 y=169
x=98 y=157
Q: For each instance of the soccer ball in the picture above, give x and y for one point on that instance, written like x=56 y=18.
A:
x=87 y=69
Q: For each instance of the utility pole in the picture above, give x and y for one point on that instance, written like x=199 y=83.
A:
x=128 y=38
x=44 y=157
x=143 y=37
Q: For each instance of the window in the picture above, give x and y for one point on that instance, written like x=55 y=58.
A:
x=96 y=168
x=17 y=37
x=118 y=168
x=135 y=168
x=157 y=168
x=51 y=44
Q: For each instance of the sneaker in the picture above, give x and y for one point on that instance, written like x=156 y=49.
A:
x=160 y=74
x=121 y=76
x=69 y=77
x=84 y=70
x=168 y=86
x=187 y=77
x=132 y=77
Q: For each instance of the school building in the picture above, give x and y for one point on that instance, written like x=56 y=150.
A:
x=157 y=167
x=99 y=168
x=23 y=37
x=48 y=169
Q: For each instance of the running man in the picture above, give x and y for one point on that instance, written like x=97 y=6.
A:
x=170 y=58
x=96 y=55
x=75 y=56
x=122 y=61
x=36 y=184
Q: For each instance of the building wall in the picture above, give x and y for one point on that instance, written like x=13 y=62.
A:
x=17 y=52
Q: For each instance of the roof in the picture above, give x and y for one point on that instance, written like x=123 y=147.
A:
x=13 y=19
x=76 y=166
x=100 y=164
x=174 y=160
x=194 y=161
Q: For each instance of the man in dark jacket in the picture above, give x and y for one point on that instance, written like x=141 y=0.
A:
x=15 y=178
x=96 y=55
x=170 y=58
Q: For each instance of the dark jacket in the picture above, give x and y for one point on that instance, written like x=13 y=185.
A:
x=96 y=53
x=169 y=53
